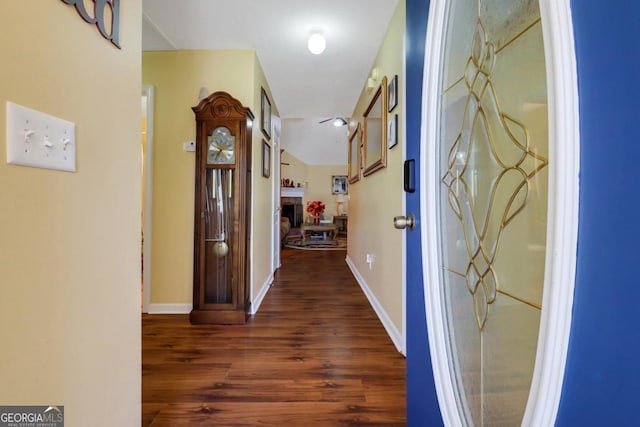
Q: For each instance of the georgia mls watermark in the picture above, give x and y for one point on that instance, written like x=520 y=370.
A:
x=32 y=416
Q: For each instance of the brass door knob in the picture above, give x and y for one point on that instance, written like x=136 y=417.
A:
x=401 y=222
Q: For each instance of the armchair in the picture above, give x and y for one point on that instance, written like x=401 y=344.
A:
x=285 y=227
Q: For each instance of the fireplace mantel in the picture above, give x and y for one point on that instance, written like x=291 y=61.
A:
x=291 y=192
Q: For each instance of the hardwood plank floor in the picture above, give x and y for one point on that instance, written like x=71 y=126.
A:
x=314 y=355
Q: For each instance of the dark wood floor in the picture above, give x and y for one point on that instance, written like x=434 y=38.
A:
x=314 y=355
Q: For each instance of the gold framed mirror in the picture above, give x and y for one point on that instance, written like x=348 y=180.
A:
x=375 y=131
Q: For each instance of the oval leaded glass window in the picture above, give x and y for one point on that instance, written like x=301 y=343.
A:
x=493 y=163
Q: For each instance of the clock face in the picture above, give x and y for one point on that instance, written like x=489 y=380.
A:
x=221 y=147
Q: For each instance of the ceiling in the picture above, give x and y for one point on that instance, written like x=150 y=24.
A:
x=303 y=85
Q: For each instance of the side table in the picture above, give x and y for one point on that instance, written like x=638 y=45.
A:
x=341 y=222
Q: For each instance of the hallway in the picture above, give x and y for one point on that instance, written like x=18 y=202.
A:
x=315 y=354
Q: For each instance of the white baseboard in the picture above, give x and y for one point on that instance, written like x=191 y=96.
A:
x=170 y=308
x=186 y=308
x=392 y=331
x=255 y=304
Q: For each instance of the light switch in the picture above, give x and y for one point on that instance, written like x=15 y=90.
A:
x=39 y=140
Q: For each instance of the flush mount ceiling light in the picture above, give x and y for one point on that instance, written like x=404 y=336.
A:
x=316 y=43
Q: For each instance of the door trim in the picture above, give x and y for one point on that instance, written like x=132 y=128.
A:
x=276 y=208
x=562 y=227
x=148 y=202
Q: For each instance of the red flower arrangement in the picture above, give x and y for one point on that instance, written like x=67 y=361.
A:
x=315 y=208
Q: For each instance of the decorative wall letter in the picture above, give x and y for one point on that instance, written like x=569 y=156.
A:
x=111 y=7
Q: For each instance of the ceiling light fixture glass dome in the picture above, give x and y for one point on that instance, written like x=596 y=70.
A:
x=316 y=43
x=339 y=121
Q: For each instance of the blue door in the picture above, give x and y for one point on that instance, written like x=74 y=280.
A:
x=601 y=381
x=422 y=402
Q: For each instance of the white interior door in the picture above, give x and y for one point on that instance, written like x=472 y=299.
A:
x=275 y=180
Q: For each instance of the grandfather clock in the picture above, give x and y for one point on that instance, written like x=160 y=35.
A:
x=222 y=208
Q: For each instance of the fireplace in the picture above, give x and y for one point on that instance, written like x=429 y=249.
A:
x=292 y=209
x=291 y=202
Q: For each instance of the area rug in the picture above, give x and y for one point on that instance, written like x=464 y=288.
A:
x=340 y=244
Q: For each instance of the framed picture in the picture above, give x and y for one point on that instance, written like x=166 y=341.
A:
x=392 y=131
x=266 y=159
x=392 y=93
x=339 y=184
x=265 y=114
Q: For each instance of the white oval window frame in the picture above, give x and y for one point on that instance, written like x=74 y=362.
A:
x=562 y=226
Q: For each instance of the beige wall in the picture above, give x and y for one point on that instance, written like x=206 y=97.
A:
x=315 y=179
x=377 y=198
x=70 y=246
x=177 y=77
x=262 y=205
x=293 y=168
x=319 y=187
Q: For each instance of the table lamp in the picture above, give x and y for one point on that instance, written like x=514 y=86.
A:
x=340 y=199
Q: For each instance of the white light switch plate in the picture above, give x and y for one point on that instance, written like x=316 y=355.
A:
x=39 y=140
